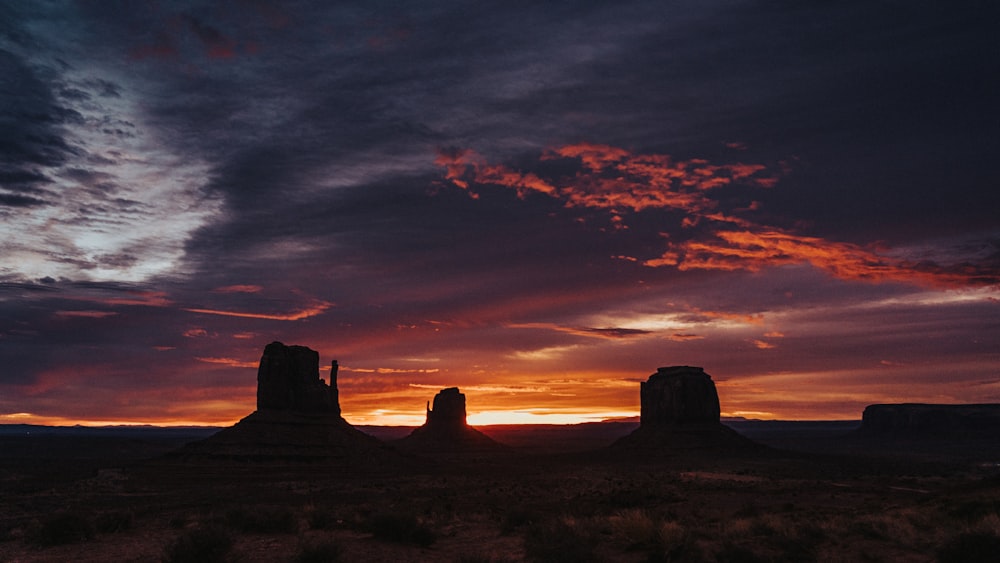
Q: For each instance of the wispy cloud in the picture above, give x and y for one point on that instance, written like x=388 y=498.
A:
x=621 y=182
x=313 y=310
x=239 y=288
x=230 y=362
x=86 y=314
x=613 y=333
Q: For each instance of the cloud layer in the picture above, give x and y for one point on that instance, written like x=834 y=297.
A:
x=539 y=203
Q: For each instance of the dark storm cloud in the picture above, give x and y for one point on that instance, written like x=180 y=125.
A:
x=31 y=121
x=16 y=200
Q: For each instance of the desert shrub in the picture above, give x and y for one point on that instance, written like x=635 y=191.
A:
x=738 y=527
x=318 y=551
x=732 y=553
x=481 y=558
x=113 y=522
x=263 y=520
x=970 y=547
x=515 y=519
x=636 y=528
x=639 y=531
x=401 y=528
x=748 y=510
x=561 y=540
x=320 y=518
x=204 y=544
x=974 y=509
x=61 y=528
x=673 y=542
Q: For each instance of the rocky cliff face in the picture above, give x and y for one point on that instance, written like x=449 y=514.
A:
x=678 y=395
x=288 y=380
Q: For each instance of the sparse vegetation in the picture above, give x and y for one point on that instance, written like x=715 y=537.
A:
x=318 y=551
x=480 y=558
x=61 y=528
x=401 y=528
x=692 y=511
x=564 y=539
x=970 y=547
x=263 y=520
x=320 y=518
x=516 y=519
x=202 y=544
x=114 y=521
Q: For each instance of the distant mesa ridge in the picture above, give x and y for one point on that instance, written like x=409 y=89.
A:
x=921 y=421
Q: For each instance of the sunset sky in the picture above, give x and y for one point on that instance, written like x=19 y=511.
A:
x=538 y=202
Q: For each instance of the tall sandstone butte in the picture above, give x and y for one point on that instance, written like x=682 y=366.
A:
x=288 y=380
x=448 y=413
x=680 y=411
x=297 y=419
x=446 y=430
x=678 y=395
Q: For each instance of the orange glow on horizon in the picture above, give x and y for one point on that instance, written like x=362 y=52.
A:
x=386 y=417
x=398 y=396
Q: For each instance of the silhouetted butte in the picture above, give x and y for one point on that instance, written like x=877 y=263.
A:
x=297 y=418
x=446 y=429
x=680 y=411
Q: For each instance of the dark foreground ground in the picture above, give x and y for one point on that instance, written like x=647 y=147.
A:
x=825 y=495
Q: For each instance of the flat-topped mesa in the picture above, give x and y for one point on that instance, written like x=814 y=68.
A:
x=448 y=412
x=288 y=380
x=678 y=395
x=931 y=421
x=680 y=415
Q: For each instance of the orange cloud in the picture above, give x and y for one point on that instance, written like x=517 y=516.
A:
x=145 y=298
x=593 y=156
x=610 y=333
x=231 y=362
x=315 y=309
x=85 y=314
x=738 y=317
x=748 y=250
x=239 y=288
x=620 y=181
x=613 y=178
x=388 y=370
x=682 y=337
